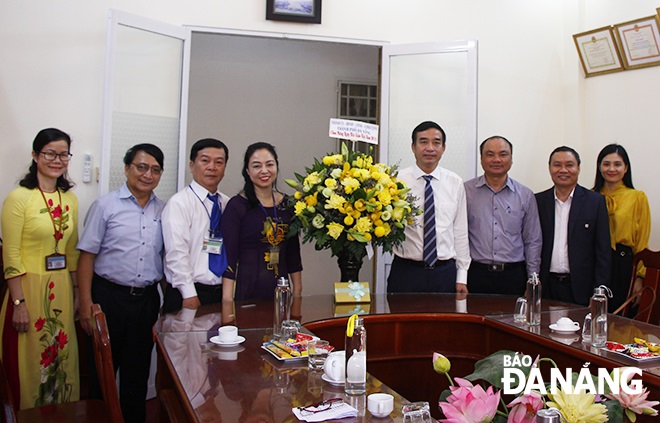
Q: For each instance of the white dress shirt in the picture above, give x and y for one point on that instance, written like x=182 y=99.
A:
x=450 y=219
x=186 y=220
x=559 y=259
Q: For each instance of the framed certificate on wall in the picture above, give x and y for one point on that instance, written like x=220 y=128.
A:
x=639 y=41
x=598 y=51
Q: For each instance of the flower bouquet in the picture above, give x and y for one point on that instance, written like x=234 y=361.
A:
x=345 y=201
x=466 y=402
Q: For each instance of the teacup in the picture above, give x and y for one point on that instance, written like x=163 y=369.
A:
x=335 y=365
x=227 y=333
x=380 y=405
x=565 y=323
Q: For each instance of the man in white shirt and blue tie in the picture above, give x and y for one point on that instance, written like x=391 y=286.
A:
x=194 y=254
x=435 y=255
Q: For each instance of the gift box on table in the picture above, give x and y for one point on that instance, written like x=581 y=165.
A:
x=352 y=292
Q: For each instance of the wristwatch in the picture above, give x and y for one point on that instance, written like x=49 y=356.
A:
x=18 y=302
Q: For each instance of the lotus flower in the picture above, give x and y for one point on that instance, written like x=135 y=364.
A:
x=578 y=407
x=634 y=403
x=524 y=408
x=441 y=363
x=470 y=404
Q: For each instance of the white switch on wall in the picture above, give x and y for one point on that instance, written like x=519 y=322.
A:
x=87 y=168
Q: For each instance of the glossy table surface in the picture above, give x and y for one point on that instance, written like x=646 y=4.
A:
x=245 y=383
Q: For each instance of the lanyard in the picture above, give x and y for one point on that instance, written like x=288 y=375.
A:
x=57 y=233
x=267 y=216
x=202 y=201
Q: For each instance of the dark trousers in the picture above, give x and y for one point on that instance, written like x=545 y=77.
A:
x=558 y=287
x=130 y=320
x=410 y=276
x=207 y=294
x=622 y=261
x=506 y=279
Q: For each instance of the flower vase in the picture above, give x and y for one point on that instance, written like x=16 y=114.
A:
x=349 y=266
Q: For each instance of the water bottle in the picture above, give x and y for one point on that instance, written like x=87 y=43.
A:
x=282 y=306
x=549 y=415
x=533 y=295
x=356 y=356
x=598 y=306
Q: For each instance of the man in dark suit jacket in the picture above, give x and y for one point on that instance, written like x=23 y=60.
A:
x=575 y=257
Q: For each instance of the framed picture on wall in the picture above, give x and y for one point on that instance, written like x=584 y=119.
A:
x=598 y=51
x=639 y=41
x=305 y=11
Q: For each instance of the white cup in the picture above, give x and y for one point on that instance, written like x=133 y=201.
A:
x=380 y=405
x=565 y=323
x=335 y=365
x=227 y=333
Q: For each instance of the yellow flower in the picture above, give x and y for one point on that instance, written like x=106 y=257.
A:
x=367 y=236
x=334 y=159
x=311 y=200
x=298 y=195
x=335 y=202
x=363 y=224
x=360 y=205
x=375 y=175
x=348 y=220
x=350 y=237
x=397 y=214
x=331 y=183
x=384 y=197
x=578 y=407
x=334 y=229
x=379 y=231
x=312 y=179
x=299 y=208
x=350 y=184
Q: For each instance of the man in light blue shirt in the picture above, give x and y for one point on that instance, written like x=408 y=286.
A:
x=121 y=263
x=503 y=225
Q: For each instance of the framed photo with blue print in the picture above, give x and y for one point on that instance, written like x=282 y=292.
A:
x=304 y=11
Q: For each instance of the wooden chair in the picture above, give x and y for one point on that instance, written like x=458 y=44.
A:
x=649 y=306
x=104 y=365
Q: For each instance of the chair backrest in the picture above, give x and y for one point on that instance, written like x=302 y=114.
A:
x=649 y=304
x=104 y=365
x=6 y=401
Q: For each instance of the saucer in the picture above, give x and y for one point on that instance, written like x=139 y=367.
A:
x=331 y=381
x=556 y=329
x=216 y=340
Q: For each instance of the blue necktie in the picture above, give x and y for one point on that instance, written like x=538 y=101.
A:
x=217 y=262
x=430 y=250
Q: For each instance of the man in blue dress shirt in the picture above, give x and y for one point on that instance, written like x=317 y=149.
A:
x=121 y=262
x=503 y=225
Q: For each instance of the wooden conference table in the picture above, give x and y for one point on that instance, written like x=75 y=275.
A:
x=245 y=383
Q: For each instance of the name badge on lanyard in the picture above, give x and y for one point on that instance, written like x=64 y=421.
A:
x=212 y=245
x=55 y=262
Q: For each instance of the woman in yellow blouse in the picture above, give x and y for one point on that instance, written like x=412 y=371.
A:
x=38 y=343
x=630 y=218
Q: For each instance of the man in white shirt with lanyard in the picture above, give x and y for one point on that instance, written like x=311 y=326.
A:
x=194 y=256
x=435 y=255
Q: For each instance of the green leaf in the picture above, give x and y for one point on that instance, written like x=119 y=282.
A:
x=491 y=370
x=344 y=150
x=614 y=411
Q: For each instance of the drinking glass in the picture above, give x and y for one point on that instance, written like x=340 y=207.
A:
x=416 y=412
x=317 y=353
x=520 y=311
x=290 y=329
x=586 y=328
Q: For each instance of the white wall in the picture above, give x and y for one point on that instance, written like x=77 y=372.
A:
x=530 y=84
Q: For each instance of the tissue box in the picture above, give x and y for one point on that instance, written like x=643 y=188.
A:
x=352 y=292
x=343 y=310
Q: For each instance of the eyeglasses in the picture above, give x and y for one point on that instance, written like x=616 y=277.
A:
x=320 y=406
x=50 y=156
x=143 y=168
